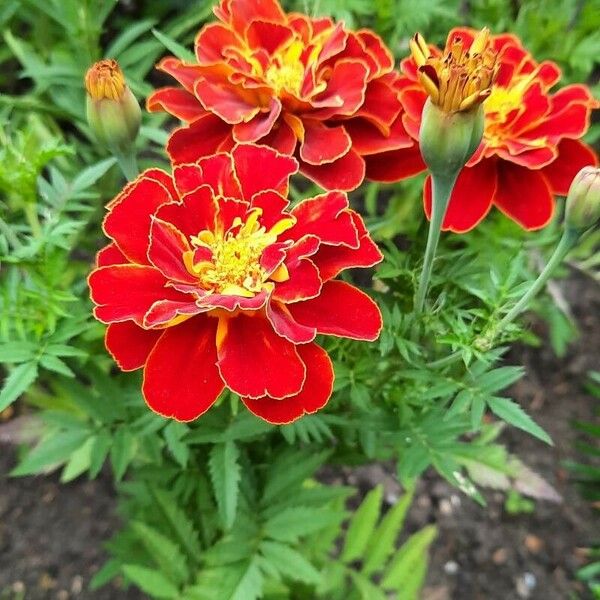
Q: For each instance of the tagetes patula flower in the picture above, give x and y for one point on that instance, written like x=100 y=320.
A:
x=212 y=281
x=531 y=147
x=304 y=86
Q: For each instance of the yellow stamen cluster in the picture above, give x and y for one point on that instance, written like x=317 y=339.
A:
x=234 y=267
x=286 y=71
x=105 y=79
x=460 y=78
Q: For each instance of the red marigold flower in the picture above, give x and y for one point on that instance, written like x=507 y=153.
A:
x=212 y=281
x=530 y=149
x=306 y=87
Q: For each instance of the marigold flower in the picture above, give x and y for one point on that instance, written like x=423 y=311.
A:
x=112 y=110
x=211 y=281
x=530 y=149
x=304 y=86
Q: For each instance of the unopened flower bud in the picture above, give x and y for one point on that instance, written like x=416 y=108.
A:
x=113 y=112
x=448 y=140
x=457 y=83
x=583 y=200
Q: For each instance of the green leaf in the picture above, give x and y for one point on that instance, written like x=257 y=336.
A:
x=225 y=476
x=51 y=451
x=290 y=470
x=290 y=563
x=18 y=380
x=382 y=542
x=53 y=363
x=166 y=555
x=90 y=175
x=173 y=433
x=122 y=452
x=16 y=352
x=513 y=414
x=238 y=581
x=362 y=525
x=151 y=581
x=79 y=461
x=175 y=47
x=292 y=523
x=102 y=444
x=408 y=557
x=182 y=527
x=366 y=589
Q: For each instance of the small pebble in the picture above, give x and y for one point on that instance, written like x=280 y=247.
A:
x=451 y=567
x=499 y=557
x=77 y=585
x=525 y=584
x=446 y=506
x=533 y=543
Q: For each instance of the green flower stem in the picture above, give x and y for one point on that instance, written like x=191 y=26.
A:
x=567 y=242
x=128 y=163
x=442 y=189
x=32 y=219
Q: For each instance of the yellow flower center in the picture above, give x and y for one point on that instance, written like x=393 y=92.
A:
x=234 y=266
x=459 y=79
x=286 y=71
x=105 y=79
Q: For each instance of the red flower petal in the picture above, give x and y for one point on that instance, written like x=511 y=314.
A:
x=177 y=102
x=304 y=279
x=281 y=137
x=341 y=310
x=368 y=139
x=218 y=172
x=327 y=217
x=230 y=209
x=125 y=292
x=181 y=379
x=471 y=198
x=188 y=177
x=202 y=138
x=171 y=312
x=212 y=40
x=323 y=144
x=129 y=344
x=273 y=206
x=381 y=105
x=389 y=167
x=313 y=397
x=376 y=48
x=260 y=125
x=128 y=219
x=332 y=260
x=166 y=250
x=524 y=196
x=225 y=101
x=345 y=91
x=345 y=174
x=573 y=155
x=110 y=255
x=267 y=36
x=195 y=213
x=241 y=12
x=254 y=361
x=274 y=173
x=284 y=324
x=185 y=74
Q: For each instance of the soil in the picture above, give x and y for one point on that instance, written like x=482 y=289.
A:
x=52 y=535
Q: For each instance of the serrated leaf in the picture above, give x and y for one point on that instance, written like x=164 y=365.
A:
x=17 y=382
x=164 y=552
x=79 y=462
x=362 y=525
x=151 y=581
x=53 y=363
x=408 y=557
x=513 y=414
x=51 y=451
x=225 y=476
x=90 y=175
x=173 y=433
x=290 y=563
x=382 y=542
x=181 y=525
x=240 y=581
x=293 y=523
x=99 y=452
x=16 y=352
x=289 y=471
x=122 y=452
x=366 y=589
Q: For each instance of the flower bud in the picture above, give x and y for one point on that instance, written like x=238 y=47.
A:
x=583 y=200
x=448 y=140
x=113 y=113
x=457 y=83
